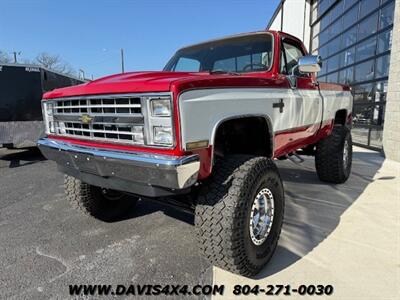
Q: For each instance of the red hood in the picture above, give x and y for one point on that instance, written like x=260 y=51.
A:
x=142 y=82
x=133 y=82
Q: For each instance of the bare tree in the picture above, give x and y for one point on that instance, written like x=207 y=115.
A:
x=5 y=58
x=54 y=62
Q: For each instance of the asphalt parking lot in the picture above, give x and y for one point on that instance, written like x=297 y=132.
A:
x=46 y=245
x=344 y=235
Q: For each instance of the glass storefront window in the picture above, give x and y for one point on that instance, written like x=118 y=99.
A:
x=367 y=6
x=354 y=54
x=324 y=37
x=380 y=91
x=366 y=49
x=384 y=41
x=348 y=3
x=324 y=23
x=346 y=76
x=378 y=112
x=347 y=57
x=350 y=17
x=333 y=63
x=323 y=51
x=337 y=10
x=368 y=26
x=349 y=37
x=386 y=16
x=332 y=78
x=323 y=5
x=376 y=138
x=362 y=114
x=334 y=45
x=360 y=135
x=364 y=92
x=323 y=67
x=365 y=71
x=335 y=29
x=382 y=66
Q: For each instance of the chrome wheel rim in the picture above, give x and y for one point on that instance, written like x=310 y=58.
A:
x=345 y=154
x=261 y=216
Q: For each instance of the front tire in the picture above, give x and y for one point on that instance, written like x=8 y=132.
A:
x=334 y=155
x=102 y=204
x=226 y=214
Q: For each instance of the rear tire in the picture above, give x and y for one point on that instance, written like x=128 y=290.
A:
x=102 y=204
x=224 y=213
x=333 y=156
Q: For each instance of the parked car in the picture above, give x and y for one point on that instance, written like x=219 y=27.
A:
x=21 y=89
x=203 y=134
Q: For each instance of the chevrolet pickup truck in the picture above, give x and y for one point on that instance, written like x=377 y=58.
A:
x=203 y=134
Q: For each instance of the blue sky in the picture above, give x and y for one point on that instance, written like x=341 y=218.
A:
x=89 y=33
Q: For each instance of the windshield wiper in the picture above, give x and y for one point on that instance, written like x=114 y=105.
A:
x=223 y=72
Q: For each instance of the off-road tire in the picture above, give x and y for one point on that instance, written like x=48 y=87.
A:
x=222 y=215
x=90 y=200
x=329 y=156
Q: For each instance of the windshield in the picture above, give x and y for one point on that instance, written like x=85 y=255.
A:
x=247 y=53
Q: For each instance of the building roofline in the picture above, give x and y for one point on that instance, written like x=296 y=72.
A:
x=278 y=8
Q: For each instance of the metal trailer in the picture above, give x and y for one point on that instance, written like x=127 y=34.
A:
x=21 y=90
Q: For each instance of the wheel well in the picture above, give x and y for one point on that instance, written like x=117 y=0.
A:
x=246 y=135
x=341 y=116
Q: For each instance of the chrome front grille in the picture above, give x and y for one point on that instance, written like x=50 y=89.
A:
x=99 y=106
x=115 y=119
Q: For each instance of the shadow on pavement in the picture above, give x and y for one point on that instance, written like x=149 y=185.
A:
x=146 y=207
x=14 y=158
x=313 y=208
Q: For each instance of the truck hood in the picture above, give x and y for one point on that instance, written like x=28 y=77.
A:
x=153 y=82
x=133 y=82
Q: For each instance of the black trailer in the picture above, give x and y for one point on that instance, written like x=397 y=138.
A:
x=21 y=90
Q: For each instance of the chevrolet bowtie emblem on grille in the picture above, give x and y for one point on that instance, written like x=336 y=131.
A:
x=86 y=119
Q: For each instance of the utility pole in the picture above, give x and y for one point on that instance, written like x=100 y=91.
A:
x=122 y=61
x=15 y=53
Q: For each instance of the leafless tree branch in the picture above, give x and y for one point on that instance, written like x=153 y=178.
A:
x=54 y=62
x=5 y=58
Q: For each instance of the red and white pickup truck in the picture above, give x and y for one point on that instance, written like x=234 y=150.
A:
x=203 y=134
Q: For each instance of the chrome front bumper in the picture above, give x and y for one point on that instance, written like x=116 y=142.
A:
x=135 y=172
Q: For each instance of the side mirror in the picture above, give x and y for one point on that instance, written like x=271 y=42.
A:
x=310 y=64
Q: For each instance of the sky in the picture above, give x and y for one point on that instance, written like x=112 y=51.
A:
x=89 y=34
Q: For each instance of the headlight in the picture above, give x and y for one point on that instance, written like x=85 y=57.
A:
x=163 y=135
x=47 y=109
x=160 y=107
x=158 y=121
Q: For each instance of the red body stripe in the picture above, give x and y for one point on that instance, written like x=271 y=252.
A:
x=290 y=140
